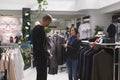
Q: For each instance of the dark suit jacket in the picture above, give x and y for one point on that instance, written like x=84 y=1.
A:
x=102 y=66
x=53 y=65
x=58 y=49
x=73 y=50
x=39 y=41
x=111 y=31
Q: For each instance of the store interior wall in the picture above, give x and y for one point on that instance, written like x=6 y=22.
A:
x=100 y=19
x=97 y=18
x=68 y=23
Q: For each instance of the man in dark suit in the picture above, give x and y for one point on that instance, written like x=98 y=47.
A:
x=112 y=29
x=39 y=47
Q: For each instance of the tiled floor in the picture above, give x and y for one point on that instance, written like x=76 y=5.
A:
x=30 y=74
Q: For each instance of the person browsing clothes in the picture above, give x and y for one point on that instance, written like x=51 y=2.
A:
x=39 y=42
x=72 y=47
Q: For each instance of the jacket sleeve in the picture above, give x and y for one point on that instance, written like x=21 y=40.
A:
x=71 y=48
x=111 y=29
x=75 y=47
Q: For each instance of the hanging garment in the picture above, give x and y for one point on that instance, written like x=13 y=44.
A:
x=111 y=31
x=57 y=51
x=11 y=61
x=81 y=62
x=53 y=66
x=102 y=66
x=96 y=63
x=18 y=63
x=85 y=31
x=84 y=64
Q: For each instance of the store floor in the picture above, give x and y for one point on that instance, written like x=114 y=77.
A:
x=30 y=74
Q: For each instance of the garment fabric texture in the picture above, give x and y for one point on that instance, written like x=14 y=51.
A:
x=85 y=63
x=72 y=39
x=58 y=52
x=96 y=63
x=72 y=50
x=13 y=62
x=52 y=63
x=84 y=30
x=111 y=31
x=103 y=70
x=80 y=67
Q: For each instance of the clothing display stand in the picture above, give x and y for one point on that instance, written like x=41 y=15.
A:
x=18 y=68
x=116 y=59
x=4 y=77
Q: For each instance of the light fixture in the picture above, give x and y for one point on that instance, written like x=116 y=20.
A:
x=54 y=19
x=28 y=23
x=27 y=35
x=45 y=2
x=26 y=27
x=37 y=23
x=26 y=14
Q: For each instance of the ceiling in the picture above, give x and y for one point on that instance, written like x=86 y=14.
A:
x=16 y=4
x=19 y=4
x=14 y=8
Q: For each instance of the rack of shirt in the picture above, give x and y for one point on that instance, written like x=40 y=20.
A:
x=99 y=62
x=12 y=61
x=84 y=30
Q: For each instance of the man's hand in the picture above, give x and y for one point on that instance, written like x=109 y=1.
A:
x=51 y=56
x=65 y=45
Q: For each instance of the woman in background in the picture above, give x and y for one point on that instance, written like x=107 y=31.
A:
x=72 y=47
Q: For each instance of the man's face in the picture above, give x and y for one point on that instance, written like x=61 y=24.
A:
x=9 y=26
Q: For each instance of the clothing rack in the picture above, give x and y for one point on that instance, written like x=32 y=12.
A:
x=4 y=71
x=12 y=46
x=116 y=63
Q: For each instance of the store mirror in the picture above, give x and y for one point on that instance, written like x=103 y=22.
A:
x=10 y=27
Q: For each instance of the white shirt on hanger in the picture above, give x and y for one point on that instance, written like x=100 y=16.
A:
x=85 y=31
